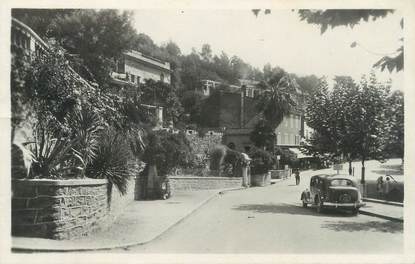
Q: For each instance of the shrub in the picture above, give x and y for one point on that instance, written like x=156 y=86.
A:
x=53 y=153
x=217 y=156
x=262 y=161
x=112 y=160
x=233 y=162
x=167 y=151
x=287 y=157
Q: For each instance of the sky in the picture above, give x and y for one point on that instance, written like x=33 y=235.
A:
x=279 y=38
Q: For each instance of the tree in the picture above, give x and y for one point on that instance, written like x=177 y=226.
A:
x=349 y=17
x=192 y=104
x=352 y=17
x=263 y=135
x=341 y=17
x=206 y=53
x=344 y=95
x=41 y=21
x=350 y=119
x=371 y=125
x=308 y=83
x=396 y=119
x=167 y=151
x=319 y=116
x=162 y=94
x=96 y=40
x=278 y=100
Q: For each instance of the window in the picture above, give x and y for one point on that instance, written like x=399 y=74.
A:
x=132 y=78
x=341 y=182
x=162 y=77
x=297 y=140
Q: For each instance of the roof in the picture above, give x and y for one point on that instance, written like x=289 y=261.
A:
x=336 y=176
x=154 y=62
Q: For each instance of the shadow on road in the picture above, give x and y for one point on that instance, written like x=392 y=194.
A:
x=386 y=227
x=285 y=208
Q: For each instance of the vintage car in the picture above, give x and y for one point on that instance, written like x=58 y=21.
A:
x=333 y=191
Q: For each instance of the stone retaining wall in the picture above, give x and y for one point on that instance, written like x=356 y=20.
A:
x=58 y=209
x=119 y=201
x=179 y=183
x=203 y=145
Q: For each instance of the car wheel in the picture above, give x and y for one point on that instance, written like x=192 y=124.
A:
x=355 y=211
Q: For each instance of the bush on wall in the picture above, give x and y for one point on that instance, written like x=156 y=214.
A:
x=217 y=155
x=168 y=151
x=262 y=161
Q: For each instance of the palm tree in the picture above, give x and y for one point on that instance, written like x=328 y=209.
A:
x=278 y=100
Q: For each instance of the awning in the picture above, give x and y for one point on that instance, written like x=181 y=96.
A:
x=299 y=154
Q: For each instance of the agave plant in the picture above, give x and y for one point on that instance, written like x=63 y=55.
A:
x=63 y=150
x=86 y=125
x=51 y=152
x=111 y=160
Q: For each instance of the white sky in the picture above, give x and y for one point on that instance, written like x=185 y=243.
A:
x=279 y=38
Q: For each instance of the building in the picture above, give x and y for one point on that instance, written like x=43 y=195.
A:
x=251 y=87
x=208 y=86
x=238 y=117
x=134 y=68
x=24 y=38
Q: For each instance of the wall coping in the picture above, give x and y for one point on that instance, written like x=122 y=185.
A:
x=201 y=177
x=70 y=182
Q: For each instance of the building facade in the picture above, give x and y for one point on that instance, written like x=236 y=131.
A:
x=135 y=67
x=25 y=38
x=238 y=116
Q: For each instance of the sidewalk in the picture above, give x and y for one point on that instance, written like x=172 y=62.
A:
x=389 y=211
x=141 y=222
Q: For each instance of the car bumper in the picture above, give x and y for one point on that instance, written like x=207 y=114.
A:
x=343 y=205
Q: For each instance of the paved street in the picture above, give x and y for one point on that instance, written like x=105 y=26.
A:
x=271 y=220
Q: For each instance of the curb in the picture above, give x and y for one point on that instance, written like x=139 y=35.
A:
x=18 y=249
x=383 y=202
x=394 y=219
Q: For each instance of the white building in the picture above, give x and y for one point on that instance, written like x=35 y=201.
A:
x=135 y=67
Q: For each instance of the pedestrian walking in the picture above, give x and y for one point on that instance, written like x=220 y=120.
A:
x=297 y=176
x=387 y=186
x=379 y=187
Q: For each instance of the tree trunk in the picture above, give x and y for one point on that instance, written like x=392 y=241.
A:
x=363 y=172
x=350 y=167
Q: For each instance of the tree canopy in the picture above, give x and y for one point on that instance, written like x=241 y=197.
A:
x=332 y=18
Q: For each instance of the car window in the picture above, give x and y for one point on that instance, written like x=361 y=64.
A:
x=341 y=182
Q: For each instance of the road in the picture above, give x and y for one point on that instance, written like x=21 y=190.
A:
x=271 y=220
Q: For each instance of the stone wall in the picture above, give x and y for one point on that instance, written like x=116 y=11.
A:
x=119 y=202
x=58 y=209
x=179 y=183
x=203 y=145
